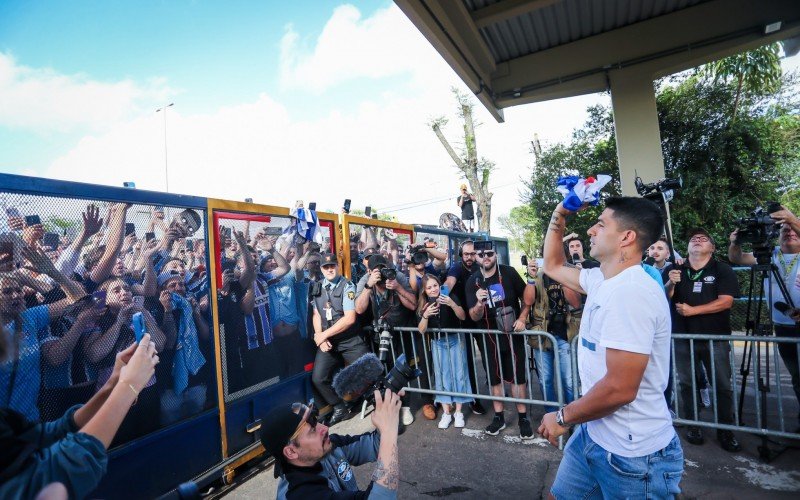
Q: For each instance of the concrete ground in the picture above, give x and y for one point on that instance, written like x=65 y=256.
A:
x=468 y=464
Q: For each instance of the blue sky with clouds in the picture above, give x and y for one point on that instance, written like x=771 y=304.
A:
x=278 y=101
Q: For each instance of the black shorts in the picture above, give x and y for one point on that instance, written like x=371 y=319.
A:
x=507 y=363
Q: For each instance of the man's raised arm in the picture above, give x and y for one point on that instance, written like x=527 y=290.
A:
x=554 y=258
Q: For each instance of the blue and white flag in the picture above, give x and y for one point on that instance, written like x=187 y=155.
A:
x=577 y=190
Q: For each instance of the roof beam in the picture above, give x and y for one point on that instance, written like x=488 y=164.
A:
x=507 y=9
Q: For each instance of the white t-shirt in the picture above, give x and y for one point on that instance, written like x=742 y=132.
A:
x=628 y=312
x=788 y=265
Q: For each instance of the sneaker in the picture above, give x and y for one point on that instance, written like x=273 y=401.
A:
x=705 y=397
x=459 y=419
x=694 y=435
x=477 y=408
x=728 y=441
x=497 y=425
x=406 y=416
x=444 y=423
x=525 y=430
x=429 y=411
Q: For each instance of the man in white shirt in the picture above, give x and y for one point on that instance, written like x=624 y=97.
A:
x=625 y=445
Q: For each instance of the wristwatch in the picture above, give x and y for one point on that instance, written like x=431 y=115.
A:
x=560 y=417
x=367 y=286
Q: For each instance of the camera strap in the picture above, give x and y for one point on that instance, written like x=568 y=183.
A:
x=787 y=268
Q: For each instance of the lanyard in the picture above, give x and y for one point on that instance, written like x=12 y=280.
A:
x=696 y=276
x=787 y=267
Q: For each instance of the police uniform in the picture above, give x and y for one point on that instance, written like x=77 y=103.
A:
x=331 y=299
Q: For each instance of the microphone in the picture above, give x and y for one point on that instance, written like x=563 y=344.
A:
x=575 y=258
x=352 y=381
x=650 y=261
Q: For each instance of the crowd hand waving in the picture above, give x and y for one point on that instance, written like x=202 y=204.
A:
x=549 y=428
x=128 y=243
x=39 y=261
x=141 y=365
x=92 y=222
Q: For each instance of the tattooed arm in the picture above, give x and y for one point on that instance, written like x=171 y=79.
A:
x=386 y=418
x=554 y=259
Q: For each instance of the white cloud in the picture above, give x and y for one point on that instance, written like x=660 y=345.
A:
x=377 y=151
x=43 y=100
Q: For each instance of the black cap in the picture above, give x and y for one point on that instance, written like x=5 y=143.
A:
x=699 y=230
x=368 y=252
x=327 y=259
x=375 y=261
x=279 y=425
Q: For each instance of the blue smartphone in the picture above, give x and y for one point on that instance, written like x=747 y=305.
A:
x=444 y=290
x=137 y=323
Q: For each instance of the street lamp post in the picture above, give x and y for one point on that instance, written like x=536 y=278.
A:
x=166 y=164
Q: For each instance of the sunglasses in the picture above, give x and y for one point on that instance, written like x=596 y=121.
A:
x=328 y=266
x=489 y=253
x=309 y=417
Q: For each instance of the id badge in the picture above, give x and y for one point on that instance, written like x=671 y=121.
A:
x=328 y=313
x=698 y=287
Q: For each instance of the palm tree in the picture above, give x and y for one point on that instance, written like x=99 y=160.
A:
x=756 y=71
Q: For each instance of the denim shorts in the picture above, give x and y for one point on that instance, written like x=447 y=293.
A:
x=589 y=471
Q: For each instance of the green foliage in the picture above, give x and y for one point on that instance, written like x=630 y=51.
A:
x=58 y=225
x=728 y=168
x=524 y=228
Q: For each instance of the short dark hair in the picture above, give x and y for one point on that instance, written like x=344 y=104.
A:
x=639 y=215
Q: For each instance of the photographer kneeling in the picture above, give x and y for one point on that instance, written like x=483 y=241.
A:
x=314 y=464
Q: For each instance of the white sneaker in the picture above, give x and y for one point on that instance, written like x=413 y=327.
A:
x=406 y=416
x=444 y=423
x=459 y=417
x=705 y=396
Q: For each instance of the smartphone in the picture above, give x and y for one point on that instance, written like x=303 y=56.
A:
x=482 y=245
x=312 y=205
x=444 y=290
x=149 y=236
x=346 y=206
x=524 y=260
x=273 y=231
x=190 y=244
x=51 y=240
x=130 y=228
x=368 y=212
x=32 y=220
x=137 y=324
x=431 y=300
x=99 y=299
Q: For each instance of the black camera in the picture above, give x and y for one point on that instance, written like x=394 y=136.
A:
x=388 y=274
x=384 y=339
x=419 y=257
x=398 y=377
x=758 y=229
x=654 y=190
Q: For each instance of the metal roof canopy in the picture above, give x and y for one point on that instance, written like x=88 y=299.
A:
x=512 y=52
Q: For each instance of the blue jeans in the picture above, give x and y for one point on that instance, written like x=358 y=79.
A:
x=547 y=381
x=450 y=367
x=589 y=471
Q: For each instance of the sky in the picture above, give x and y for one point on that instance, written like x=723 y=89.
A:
x=275 y=101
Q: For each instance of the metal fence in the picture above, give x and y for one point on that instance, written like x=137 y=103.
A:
x=749 y=385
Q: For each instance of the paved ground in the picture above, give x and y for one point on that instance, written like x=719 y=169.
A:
x=467 y=464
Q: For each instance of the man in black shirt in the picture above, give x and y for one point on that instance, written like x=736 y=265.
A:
x=494 y=297
x=702 y=293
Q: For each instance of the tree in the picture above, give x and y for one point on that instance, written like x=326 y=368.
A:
x=524 y=228
x=728 y=168
x=476 y=170
x=757 y=71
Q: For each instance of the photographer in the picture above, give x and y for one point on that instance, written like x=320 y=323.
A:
x=313 y=464
x=419 y=258
x=702 y=293
x=388 y=294
x=495 y=302
x=786 y=257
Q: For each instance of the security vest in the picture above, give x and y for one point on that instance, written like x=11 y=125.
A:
x=334 y=299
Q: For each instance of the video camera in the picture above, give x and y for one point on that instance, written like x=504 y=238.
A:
x=365 y=376
x=654 y=190
x=758 y=229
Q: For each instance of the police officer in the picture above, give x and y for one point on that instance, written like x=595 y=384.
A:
x=335 y=332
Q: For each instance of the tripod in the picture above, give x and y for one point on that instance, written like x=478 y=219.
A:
x=764 y=271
